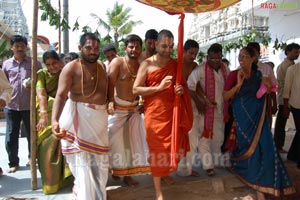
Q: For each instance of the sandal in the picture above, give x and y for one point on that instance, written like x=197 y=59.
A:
x=195 y=174
x=168 y=180
x=247 y=197
x=210 y=172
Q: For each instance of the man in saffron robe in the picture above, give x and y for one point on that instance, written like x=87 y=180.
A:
x=156 y=82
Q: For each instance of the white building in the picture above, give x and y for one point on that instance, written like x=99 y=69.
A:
x=12 y=15
x=277 y=19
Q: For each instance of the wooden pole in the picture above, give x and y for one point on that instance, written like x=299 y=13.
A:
x=33 y=97
x=252 y=15
x=59 y=28
x=66 y=31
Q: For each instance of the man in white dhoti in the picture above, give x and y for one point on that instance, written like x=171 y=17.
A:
x=128 y=147
x=81 y=122
x=206 y=85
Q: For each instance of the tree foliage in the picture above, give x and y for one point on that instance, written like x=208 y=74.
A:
x=4 y=52
x=118 y=23
x=253 y=36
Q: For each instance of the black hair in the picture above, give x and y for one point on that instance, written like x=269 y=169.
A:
x=18 y=38
x=88 y=36
x=71 y=56
x=109 y=47
x=190 y=44
x=165 y=33
x=50 y=54
x=151 y=34
x=290 y=47
x=255 y=46
x=62 y=56
x=225 y=60
x=133 y=38
x=215 y=48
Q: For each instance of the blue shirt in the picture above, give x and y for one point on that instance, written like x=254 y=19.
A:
x=16 y=72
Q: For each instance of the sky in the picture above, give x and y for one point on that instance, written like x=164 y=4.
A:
x=81 y=9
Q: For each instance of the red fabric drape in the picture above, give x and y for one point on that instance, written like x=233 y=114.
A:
x=176 y=150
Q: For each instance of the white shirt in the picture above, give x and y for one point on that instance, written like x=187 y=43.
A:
x=198 y=74
x=292 y=85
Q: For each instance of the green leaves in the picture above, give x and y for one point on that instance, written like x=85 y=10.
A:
x=279 y=45
x=52 y=15
x=118 y=23
x=4 y=52
x=263 y=38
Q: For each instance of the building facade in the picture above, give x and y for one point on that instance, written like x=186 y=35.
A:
x=12 y=15
x=268 y=18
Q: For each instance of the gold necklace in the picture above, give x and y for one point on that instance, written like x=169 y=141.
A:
x=96 y=84
x=128 y=69
x=92 y=77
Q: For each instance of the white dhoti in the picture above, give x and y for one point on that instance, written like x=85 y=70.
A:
x=127 y=140
x=85 y=147
x=209 y=149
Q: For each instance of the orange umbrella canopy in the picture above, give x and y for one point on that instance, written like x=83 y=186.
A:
x=189 y=6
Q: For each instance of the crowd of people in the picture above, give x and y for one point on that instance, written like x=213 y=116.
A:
x=96 y=118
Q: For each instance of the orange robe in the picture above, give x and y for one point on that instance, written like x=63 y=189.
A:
x=159 y=119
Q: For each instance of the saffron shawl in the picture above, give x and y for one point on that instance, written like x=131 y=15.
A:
x=158 y=120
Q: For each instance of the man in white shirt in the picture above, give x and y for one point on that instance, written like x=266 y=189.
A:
x=292 y=53
x=291 y=96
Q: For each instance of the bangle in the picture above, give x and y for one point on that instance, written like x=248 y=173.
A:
x=43 y=114
x=43 y=111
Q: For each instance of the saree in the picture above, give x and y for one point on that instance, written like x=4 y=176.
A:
x=255 y=159
x=158 y=120
x=54 y=171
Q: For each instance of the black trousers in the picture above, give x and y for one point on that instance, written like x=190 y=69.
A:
x=294 y=151
x=279 y=132
x=13 y=122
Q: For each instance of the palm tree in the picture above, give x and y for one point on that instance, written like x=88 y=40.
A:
x=118 y=22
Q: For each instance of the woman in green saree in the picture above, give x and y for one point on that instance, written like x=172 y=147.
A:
x=53 y=168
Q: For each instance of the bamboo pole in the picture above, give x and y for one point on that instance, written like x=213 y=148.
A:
x=33 y=97
x=252 y=15
x=59 y=28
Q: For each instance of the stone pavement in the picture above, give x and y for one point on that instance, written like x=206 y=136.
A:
x=223 y=186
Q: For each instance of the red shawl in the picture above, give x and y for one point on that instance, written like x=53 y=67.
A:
x=210 y=93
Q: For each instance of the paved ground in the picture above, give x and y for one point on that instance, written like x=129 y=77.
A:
x=224 y=186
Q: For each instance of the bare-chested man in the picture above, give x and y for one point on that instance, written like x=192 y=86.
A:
x=156 y=81
x=150 y=39
x=110 y=52
x=128 y=147
x=81 y=120
x=191 y=48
